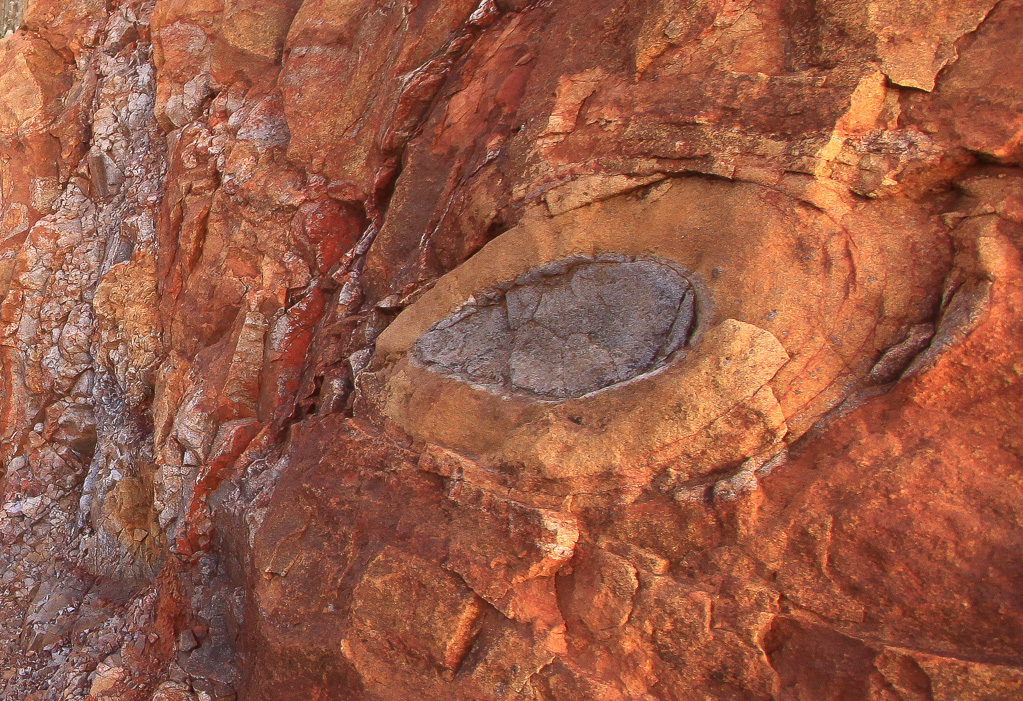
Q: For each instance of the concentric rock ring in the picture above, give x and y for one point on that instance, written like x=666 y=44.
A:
x=566 y=328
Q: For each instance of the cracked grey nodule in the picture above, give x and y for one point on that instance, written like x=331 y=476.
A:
x=566 y=328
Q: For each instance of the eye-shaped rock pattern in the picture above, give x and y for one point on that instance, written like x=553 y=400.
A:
x=567 y=328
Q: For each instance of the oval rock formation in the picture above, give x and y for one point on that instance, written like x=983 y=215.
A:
x=566 y=328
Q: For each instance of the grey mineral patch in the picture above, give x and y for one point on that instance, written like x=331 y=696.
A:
x=11 y=12
x=566 y=328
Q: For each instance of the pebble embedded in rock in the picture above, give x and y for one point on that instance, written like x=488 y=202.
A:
x=566 y=328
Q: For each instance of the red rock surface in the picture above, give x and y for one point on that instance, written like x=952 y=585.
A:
x=224 y=226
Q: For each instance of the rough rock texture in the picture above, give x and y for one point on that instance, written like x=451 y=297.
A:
x=11 y=12
x=275 y=422
x=565 y=329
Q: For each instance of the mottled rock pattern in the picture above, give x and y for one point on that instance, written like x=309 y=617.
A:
x=566 y=328
x=11 y=12
x=224 y=226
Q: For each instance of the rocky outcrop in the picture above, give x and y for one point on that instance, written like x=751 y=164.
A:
x=449 y=349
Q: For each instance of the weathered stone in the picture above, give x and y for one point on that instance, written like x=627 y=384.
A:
x=423 y=609
x=462 y=351
x=603 y=590
x=11 y=12
x=497 y=544
x=173 y=691
x=566 y=329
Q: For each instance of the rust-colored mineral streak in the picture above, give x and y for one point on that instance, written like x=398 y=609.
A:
x=555 y=350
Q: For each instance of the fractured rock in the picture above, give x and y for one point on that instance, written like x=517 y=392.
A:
x=480 y=351
x=567 y=328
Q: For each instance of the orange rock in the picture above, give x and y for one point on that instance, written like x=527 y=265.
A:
x=463 y=351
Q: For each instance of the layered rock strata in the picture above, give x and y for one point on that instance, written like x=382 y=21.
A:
x=449 y=349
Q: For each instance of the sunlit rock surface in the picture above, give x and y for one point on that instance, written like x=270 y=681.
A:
x=464 y=350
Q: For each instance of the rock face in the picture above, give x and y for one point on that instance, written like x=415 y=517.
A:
x=511 y=350
x=566 y=328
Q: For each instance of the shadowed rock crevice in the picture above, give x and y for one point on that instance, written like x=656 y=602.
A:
x=566 y=328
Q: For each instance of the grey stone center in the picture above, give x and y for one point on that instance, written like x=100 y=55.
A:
x=566 y=328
